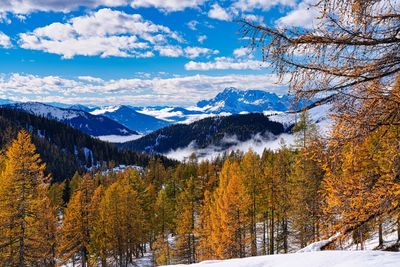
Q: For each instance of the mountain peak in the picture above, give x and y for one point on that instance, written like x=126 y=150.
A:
x=233 y=100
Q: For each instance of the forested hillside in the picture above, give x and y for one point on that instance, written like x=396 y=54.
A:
x=65 y=149
x=209 y=131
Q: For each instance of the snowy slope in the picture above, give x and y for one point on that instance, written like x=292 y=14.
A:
x=318 y=114
x=313 y=259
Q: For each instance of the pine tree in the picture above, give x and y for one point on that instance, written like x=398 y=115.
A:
x=26 y=215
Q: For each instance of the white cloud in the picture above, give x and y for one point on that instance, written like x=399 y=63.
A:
x=90 y=79
x=243 y=52
x=253 y=18
x=217 y=12
x=250 y=5
x=105 y=33
x=202 y=38
x=146 y=91
x=5 y=41
x=167 y=5
x=170 y=51
x=303 y=15
x=226 y=63
x=30 y=6
x=195 y=52
x=193 y=25
x=257 y=143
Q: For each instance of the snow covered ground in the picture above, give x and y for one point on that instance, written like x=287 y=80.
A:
x=313 y=259
x=119 y=138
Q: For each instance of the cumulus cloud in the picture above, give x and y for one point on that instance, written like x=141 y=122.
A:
x=226 y=63
x=305 y=15
x=30 y=6
x=217 y=12
x=250 y=5
x=105 y=33
x=137 y=91
x=243 y=52
x=5 y=41
x=168 y=6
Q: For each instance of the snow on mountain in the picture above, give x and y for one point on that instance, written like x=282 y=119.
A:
x=318 y=114
x=81 y=120
x=312 y=259
x=131 y=118
x=234 y=101
x=173 y=114
x=119 y=138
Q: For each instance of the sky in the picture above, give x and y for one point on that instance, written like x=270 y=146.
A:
x=137 y=52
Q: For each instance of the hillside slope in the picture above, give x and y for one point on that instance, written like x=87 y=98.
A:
x=210 y=131
x=63 y=148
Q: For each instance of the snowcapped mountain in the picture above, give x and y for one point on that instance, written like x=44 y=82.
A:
x=236 y=101
x=81 y=120
x=131 y=119
x=173 y=114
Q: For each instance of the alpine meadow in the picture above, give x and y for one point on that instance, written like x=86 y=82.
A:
x=215 y=133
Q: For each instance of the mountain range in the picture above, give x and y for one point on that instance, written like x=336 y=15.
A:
x=225 y=122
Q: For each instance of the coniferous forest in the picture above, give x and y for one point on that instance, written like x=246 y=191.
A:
x=61 y=207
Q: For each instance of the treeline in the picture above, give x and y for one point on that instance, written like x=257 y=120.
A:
x=237 y=206
x=65 y=149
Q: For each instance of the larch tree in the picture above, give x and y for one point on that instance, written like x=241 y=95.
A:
x=186 y=241
x=252 y=174
x=230 y=215
x=27 y=219
x=74 y=238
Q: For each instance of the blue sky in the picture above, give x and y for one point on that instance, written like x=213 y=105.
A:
x=138 y=52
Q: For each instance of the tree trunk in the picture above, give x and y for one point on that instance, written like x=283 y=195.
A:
x=380 y=235
x=271 y=235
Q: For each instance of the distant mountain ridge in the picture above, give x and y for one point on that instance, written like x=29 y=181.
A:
x=78 y=119
x=131 y=119
x=111 y=122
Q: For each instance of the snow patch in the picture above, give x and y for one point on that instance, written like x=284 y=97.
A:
x=312 y=259
x=119 y=138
